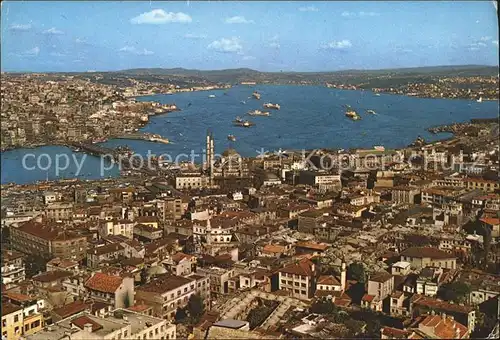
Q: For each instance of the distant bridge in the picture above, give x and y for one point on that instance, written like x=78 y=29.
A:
x=131 y=163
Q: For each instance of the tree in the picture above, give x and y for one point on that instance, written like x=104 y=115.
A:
x=180 y=314
x=356 y=271
x=323 y=307
x=258 y=315
x=195 y=308
x=455 y=291
x=144 y=276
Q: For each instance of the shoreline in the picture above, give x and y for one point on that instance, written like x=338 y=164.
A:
x=409 y=146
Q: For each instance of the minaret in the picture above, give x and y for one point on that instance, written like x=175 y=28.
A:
x=211 y=163
x=207 y=150
x=343 y=275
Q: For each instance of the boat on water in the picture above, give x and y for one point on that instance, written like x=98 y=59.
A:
x=231 y=138
x=480 y=100
x=258 y=113
x=272 y=106
x=350 y=113
x=377 y=94
x=243 y=123
x=256 y=95
x=243 y=102
x=372 y=112
x=211 y=96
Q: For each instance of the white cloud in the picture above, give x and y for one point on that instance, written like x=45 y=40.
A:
x=159 y=16
x=494 y=42
x=20 y=27
x=226 y=45
x=249 y=57
x=485 y=38
x=308 y=9
x=359 y=14
x=35 y=51
x=195 y=36
x=238 y=20
x=133 y=50
x=57 y=54
x=53 y=31
x=338 y=45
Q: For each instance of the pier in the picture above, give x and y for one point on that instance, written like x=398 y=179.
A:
x=145 y=137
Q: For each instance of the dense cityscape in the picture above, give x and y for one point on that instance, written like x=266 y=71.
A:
x=388 y=241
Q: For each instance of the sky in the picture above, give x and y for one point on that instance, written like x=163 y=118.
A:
x=266 y=36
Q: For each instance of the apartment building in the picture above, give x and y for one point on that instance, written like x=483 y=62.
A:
x=48 y=241
x=299 y=279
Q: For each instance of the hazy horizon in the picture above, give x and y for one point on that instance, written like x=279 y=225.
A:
x=264 y=36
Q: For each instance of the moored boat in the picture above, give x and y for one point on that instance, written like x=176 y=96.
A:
x=258 y=113
x=272 y=106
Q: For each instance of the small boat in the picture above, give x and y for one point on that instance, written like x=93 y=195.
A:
x=377 y=94
x=258 y=113
x=211 y=96
x=256 y=95
x=371 y=112
x=243 y=123
x=243 y=102
x=272 y=106
x=231 y=138
x=480 y=100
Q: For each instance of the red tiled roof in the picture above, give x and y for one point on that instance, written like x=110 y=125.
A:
x=311 y=245
x=368 y=298
x=444 y=327
x=420 y=252
x=490 y=220
x=380 y=277
x=304 y=267
x=83 y=320
x=328 y=280
x=72 y=308
x=104 y=283
x=394 y=333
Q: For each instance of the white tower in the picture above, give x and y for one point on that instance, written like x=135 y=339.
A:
x=343 y=275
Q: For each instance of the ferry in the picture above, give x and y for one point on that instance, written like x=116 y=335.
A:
x=258 y=113
x=231 y=138
x=350 y=113
x=372 y=112
x=256 y=95
x=272 y=106
x=245 y=123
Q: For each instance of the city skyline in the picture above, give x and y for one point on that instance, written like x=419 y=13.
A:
x=271 y=36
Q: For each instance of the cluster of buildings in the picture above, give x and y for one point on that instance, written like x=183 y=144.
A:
x=261 y=248
x=475 y=88
x=40 y=109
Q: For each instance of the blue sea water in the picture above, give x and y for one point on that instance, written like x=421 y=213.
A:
x=310 y=117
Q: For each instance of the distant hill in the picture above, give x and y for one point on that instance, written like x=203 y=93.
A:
x=354 y=76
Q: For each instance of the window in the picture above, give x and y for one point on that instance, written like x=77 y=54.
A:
x=16 y=318
x=303 y=292
x=303 y=285
x=26 y=328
